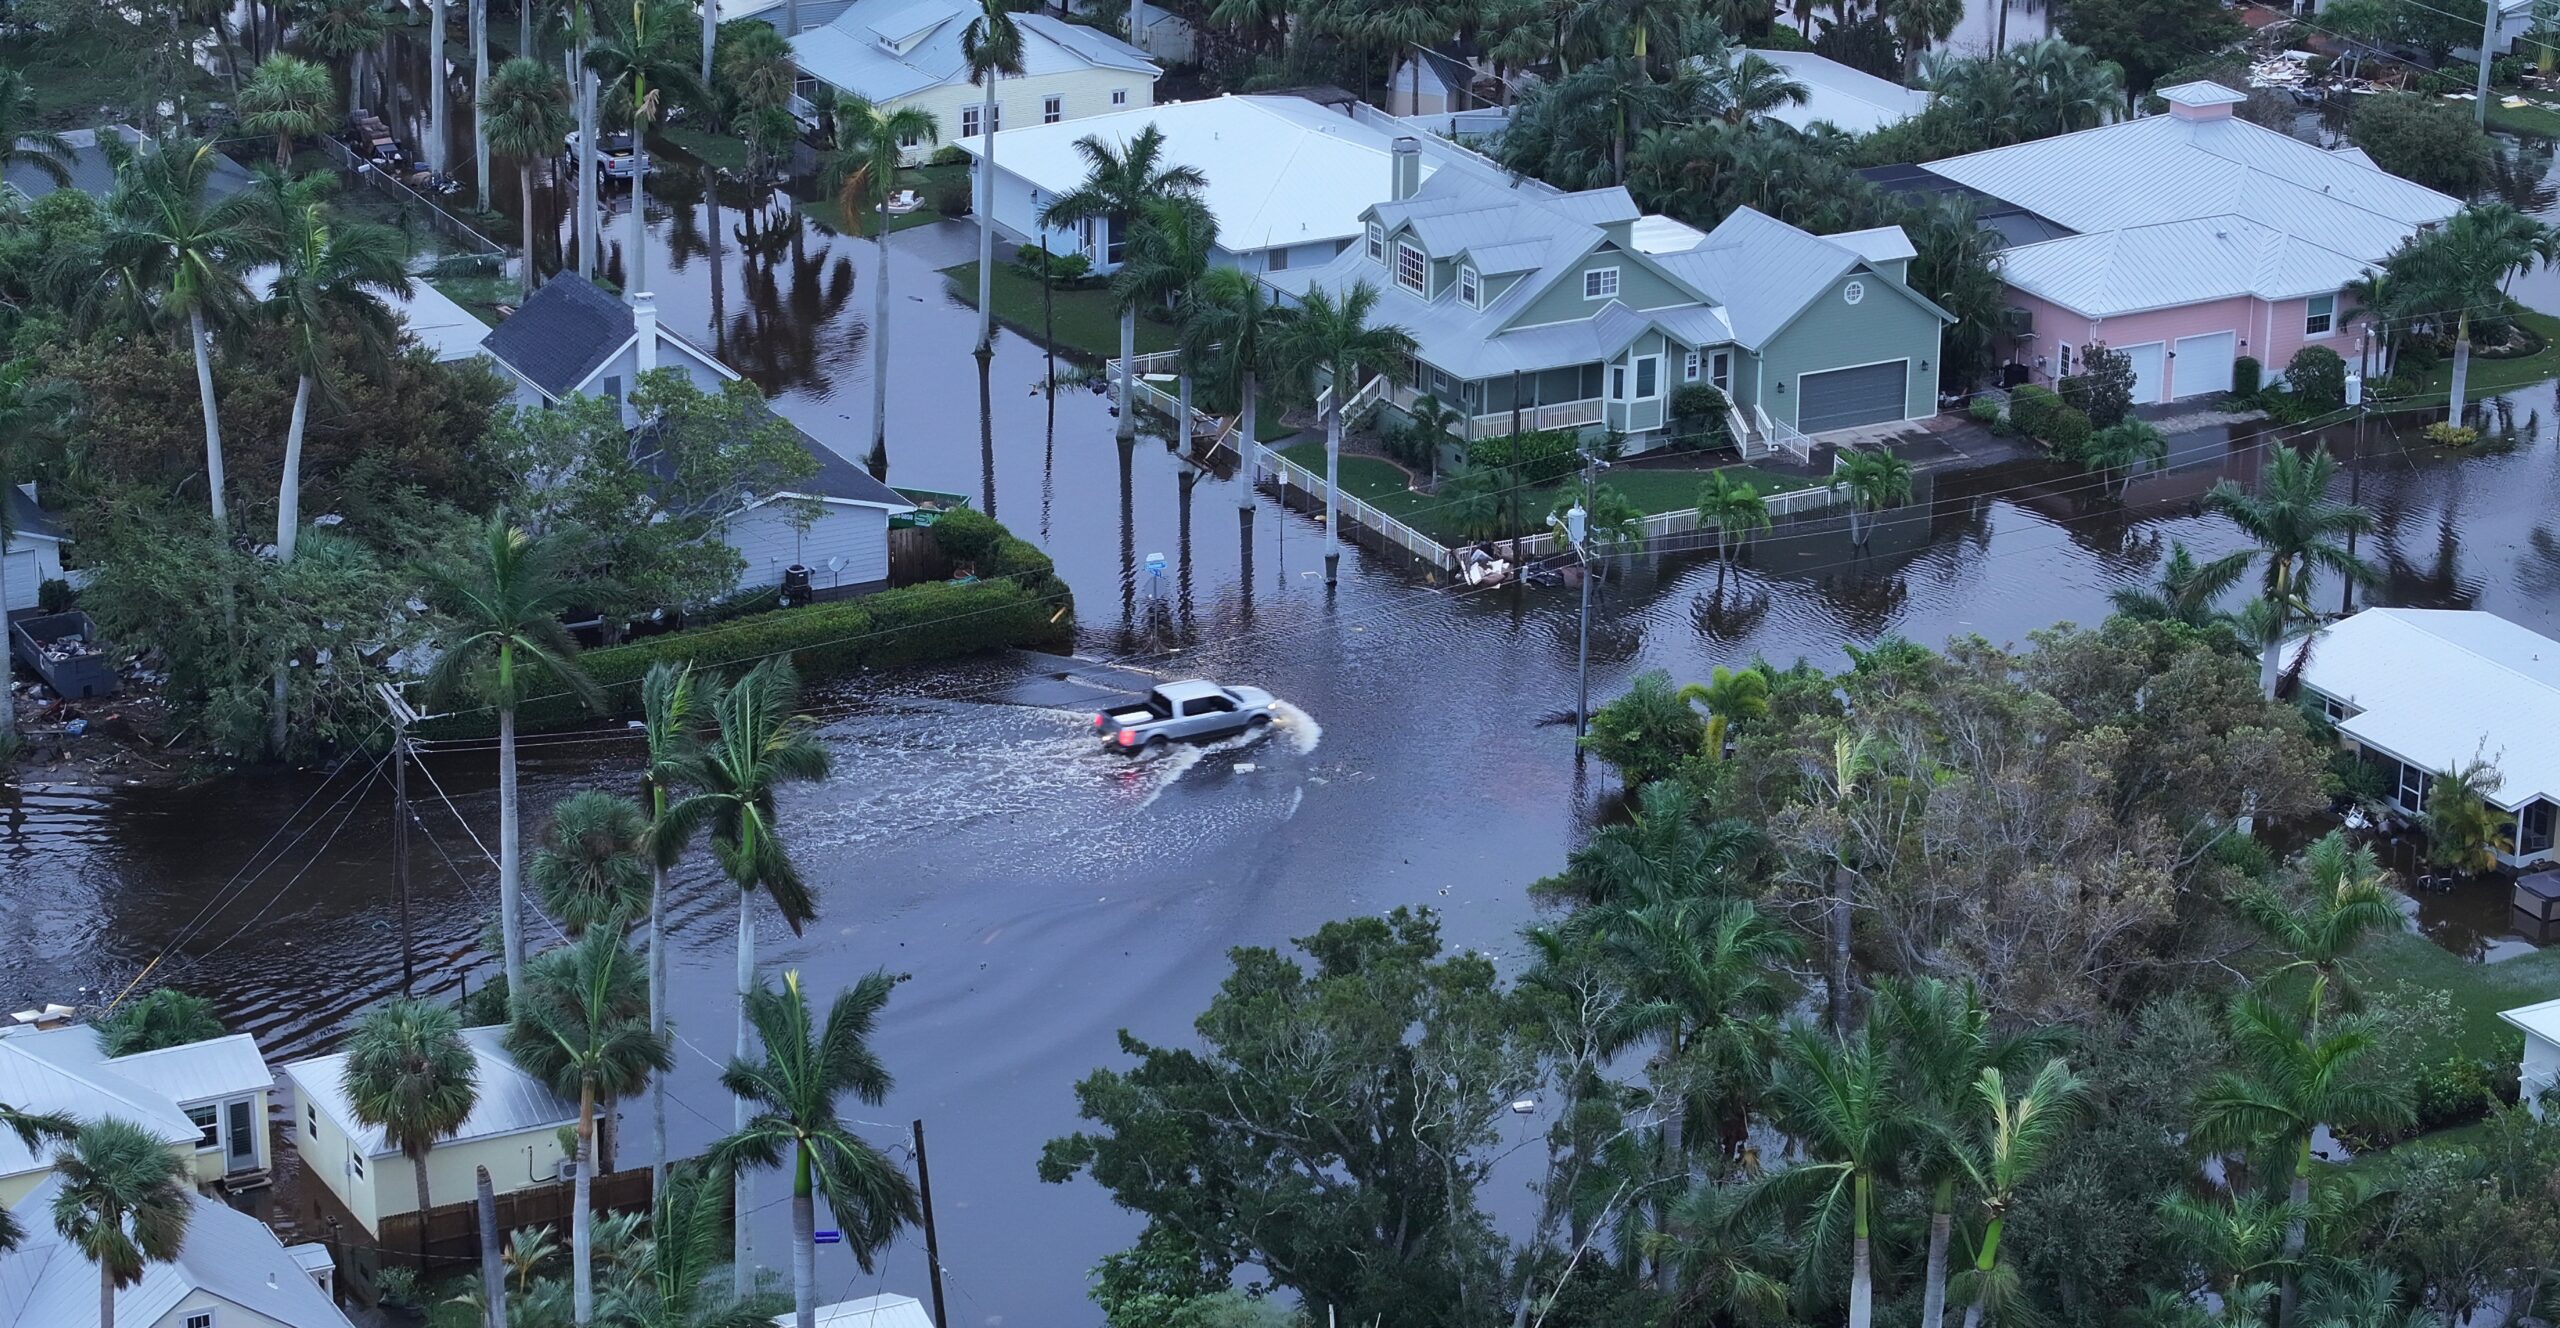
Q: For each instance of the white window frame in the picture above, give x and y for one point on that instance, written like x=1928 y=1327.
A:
x=1053 y=108
x=969 y=121
x=1119 y=96
x=1720 y=370
x=200 y=1319
x=1470 y=288
x=1692 y=363
x=211 y=1140
x=355 y=1162
x=2062 y=361
x=312 y=1114
x=1377 y=242
x=1600 y=283
x=2326 y=318
x=1421 y=284
x=1636 y=366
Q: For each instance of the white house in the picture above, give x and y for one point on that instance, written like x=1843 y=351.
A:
x=231 y=1272
x=1287 y=178
x=574 y=338
x=1850 y=99
x=207 y=1100
x=513 y=1130
x=32 y=554
x=2422 y=692
x=2539 y=1069
x=907 y=53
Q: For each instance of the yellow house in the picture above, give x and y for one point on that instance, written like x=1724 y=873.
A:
x=208 y=1100
x=514 y=1131
x=231 y=1272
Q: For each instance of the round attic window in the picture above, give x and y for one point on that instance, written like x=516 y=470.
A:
x=1854 y=291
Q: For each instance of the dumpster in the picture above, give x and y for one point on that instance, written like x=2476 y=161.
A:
x=63 y=649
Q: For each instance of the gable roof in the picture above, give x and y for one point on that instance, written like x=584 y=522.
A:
x=569 y=330
x=888 y=49
x=1767 y=272
x=1852 y=99
x=47 y=1283
x=2176 y=262
x=2440 y=686
x=27 y=520
x=94 y=174
x=60 y=1072
x=511 y=1101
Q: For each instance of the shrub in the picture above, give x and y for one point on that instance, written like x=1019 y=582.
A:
x=965 y=534
x=2067 y=431
x=2030 y=406
x=949 y=197
x=1984 y=410
x=1698 y=401
x=2246 y=376
x=949 y=154
x=2317 y=377
x=1540 y=457
x=2103 y=389
x=399 y=1288
x=53 y=595
x=2451 y=1092
x=2444 y=433
x=1647 y=733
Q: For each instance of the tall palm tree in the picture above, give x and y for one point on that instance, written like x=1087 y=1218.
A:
x=289 y=98
x=734 y=777
x=2461 y=269
x=1233 y=326
x=504 y=606
x=1875 y=480
x=1168 y=255
x=667 y=723
x=2346 y=903
x=1116 y=190
x=2011 y=1141
x=642 y=59
x=23 y=140
x=345 y=33
x=589 y=872
x=870 y=142
x=2296 y=1079
x=807 y=1068
x=1737 y=511
x=581 y=1023
x=1331 y=342
x=2299 y=530
x=2236 y=1244
x=1832 y=1095
x=1729 y=694
x=991 y=46
x=1754 y=85
x=333 y=276
x=1920 y=24
x=187 y=250
x=124 y=1201
x=525 y=110
x=409 y=1074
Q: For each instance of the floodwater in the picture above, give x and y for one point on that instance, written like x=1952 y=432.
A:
x=1041 y=895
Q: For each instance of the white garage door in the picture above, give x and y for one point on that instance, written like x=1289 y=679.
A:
x=24 y=578
x=2148 y=382
x=2204 y=365
x=1846 y=398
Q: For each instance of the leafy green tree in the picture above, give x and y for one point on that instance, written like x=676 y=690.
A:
x=347 y=34
x=581 y=1024
x=2118 y=450
x=1232 y=329
x=2458 y=274
x=1350 y=1176
x=29 y=405
x=124 y=1201
x=1168 y=255
x=1331 y=342
x=2344 y=905
x=23 y=141
x=290 y=98
x=991 y=47
x=505 y=638
x=589 y=871
x=870 y=142
x=525 y=110
x=1117 y=189
x=2299 y=530
x=409 y=1074
x=1875 y=480
x=2185 y=591
x=2464 y=831
x=1731 y=696
x=1649 y=732
x=2148 y=38
x=333 y=277
x=807 y=1069
x=165 y=1017
x=2422 y=139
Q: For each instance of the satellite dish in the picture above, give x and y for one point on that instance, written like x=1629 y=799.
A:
x=835 y=564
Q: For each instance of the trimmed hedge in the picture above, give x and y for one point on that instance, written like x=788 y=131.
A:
x=2031 y=408
x=1542 y=456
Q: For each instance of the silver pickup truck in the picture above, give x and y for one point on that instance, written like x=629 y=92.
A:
x=1192 y=709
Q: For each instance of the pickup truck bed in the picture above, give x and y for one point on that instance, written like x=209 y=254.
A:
x=1191 y=709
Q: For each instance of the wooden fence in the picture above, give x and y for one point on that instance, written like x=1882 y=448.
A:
x=453 y=1230
x=915 y=556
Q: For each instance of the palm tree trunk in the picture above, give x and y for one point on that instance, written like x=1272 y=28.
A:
x=2270 y=661
x=1999 y=43
x=1942 y=1220
x=289 y=493
x=2461 y=371
x=479 y=84
x=1246 y=435
x=878 y=461
x=510 y=907
x=106 y=1296
x=582 y=1219
x=493 y=1262
x=636 y=262
x=418 y=1165
x=435 y=87
x=710 y=37
x=1983 y=1263
x=2295 y=1234
x=590 y=224
x=1862 y=1274
x=658 y=1020
x=1128 y=370
x=741 y=1265
x=1182 y=425
x=212 y=421
x=986 y=201
x=524 y=185
x=804 y=1244
x=524 y=29
x=1837 y=997
x=1332 y=476
x=8 y=697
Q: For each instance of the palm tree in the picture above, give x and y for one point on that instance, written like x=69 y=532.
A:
x=409 y=1074
x=1233 y=326
x=1114 y=195
x=1917 y=26
x=23 y=141
x=505 y=608
x=2296 y=1080
x=667 y=723
x=589 y=872
x=332 y=277
x=1753 y=85
x=348 y=33
x=525 y=109
x=2346 y=904
x=2299 y=529
x=164 y=1018
x=2186 y=590
x=1331 y=341
x=735 y=775
x=123 y=1200
x=2237 y=1245
x=2461 y=269
x=1433 y=425
x=2115 y=451
x=2465 y=831
x=640 y=60
x=1737 y=511
x=1729 y=694
x=807 y=1067
x=1168 y=255
x=2013 y=1140
x=289 y=98
x=173 y=239
x=991 y=46
x=581 y=1023
x=870 y=142
x=33 y=1129
x=1875 y=480
x=1831 y=1094
x=688 y=1238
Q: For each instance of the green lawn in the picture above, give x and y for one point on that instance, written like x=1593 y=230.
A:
x=1088 y=320
x=2538 y=120
x=1384 y=485
x=2479 y=991
x=481 y=296
x=2490 y=376
x=722 y=150
x=919 y=178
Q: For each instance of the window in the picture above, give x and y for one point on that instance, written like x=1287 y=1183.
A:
x=200 y=1319
x=910 y=142
x=1279 y=260
x=1600 y=283
x=1052 y=109
x=2535 y=836
x=2414 y=783
x=312 y=1114
x=1119 y=96
x=209 y=1122
x=1377 y=242
x=969 y=121
x=1720 y=370
x=613 y=386
x=1617 y=382
x=1689 y=365
x=1648 y=377
x=1413 y=271
x=1468 y=294
x=2319 y=315
x=2062 y=361
x=355 y=1163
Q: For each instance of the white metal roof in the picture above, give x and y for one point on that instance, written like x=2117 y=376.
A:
x=2176 y=262
x=445 y=327
x=511 y=1101
x=870 y=1311
x=2437 y=687
x=1852 y=99
x=1281 y=170
x=1876 y=244
x=888 y=49
x=47 y=1283
x=200 y=1071
x=2541 y=1019
x=41 y=1074
x=2202 y=92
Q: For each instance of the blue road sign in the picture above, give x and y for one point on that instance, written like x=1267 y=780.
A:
x=830 y=1237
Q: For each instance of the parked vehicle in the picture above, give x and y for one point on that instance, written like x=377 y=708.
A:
x=1192 y=709
x=617 y=156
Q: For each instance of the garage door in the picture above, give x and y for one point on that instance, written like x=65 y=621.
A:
x=2147 y=380
x=2204 y=365
x=23 y=579
x=1844 y=398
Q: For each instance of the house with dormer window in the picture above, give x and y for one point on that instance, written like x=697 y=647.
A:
x=1533 y=308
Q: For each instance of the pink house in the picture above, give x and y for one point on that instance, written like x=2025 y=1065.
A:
x=2189 y=240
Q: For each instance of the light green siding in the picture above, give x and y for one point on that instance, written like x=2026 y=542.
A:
x=1887 y=324
x=1639 y=287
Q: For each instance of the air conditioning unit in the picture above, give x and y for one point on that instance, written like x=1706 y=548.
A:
x=2018 y=323
x=566 y=1170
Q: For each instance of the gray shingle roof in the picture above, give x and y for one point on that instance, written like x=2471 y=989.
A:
x=511 y=1101
x=93 y=174
x=565 y=332
x=28 y=519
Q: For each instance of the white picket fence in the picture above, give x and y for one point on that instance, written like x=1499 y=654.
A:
x=1663 y=524
x=1347 y=508
x=1167 y=404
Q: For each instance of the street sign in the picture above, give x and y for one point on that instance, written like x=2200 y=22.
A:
x=830 y=1237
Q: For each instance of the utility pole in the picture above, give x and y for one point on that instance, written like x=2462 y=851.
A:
x=1577 y=524
x=402 y=716
x=932 y=1246
x=2488 y=38
x=2355 y=478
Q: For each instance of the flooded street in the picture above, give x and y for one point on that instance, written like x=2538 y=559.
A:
x=1041 y=894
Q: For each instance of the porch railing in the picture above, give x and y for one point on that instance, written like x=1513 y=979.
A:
x=1290 y=474
x=1167 y=404
x=1565 y=415
x=1784 y=437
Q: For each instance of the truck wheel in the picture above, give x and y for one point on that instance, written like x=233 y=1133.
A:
x=1258 y=722
x=1156 y=743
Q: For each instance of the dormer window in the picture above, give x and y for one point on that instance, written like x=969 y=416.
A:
x=1468 y=292
x=1377 y=242
x=1413 y=270
x=1600 y=283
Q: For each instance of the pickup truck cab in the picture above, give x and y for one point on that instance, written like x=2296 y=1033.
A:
x=617 y=157
x=1190 y=709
